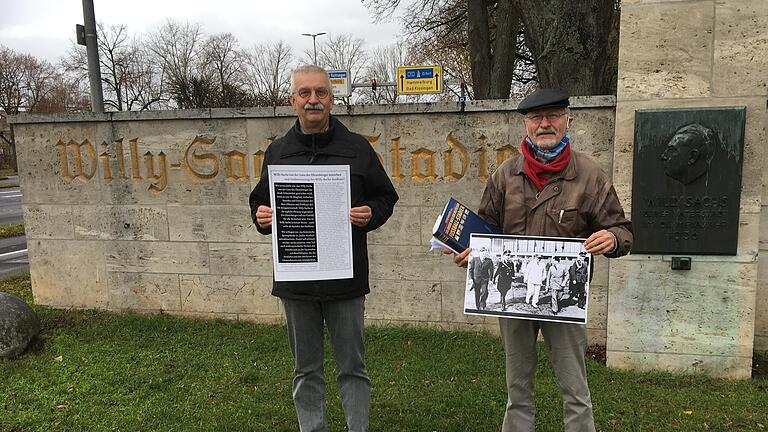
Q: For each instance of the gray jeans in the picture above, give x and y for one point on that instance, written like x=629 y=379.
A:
x=344 y=320
x=566 y=344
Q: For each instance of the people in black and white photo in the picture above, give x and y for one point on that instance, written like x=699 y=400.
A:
x=481 y=272
x=557 y=281
x=504 y=276
x=534 y=277
x=577 y=275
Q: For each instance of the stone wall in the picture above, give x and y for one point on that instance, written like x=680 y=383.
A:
x=148 y=211
x=683 y=54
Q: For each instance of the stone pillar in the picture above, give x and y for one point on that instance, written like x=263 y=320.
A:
x=688 y=54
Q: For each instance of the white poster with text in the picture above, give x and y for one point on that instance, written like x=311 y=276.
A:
x=311 y=231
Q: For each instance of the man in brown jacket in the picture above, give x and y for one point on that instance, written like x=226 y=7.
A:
x=551 y=190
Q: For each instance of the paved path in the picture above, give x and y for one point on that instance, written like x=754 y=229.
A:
x=13 y=251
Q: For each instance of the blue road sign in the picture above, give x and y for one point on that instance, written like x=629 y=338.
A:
x=419 y=73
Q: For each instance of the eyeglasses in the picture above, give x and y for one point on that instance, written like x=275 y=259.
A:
x=320 y=92
x=551 y=117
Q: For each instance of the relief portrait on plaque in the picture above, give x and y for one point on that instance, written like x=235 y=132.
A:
x=689 y=152
x=687 y=180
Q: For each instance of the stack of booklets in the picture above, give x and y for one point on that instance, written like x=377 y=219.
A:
x=454 y=226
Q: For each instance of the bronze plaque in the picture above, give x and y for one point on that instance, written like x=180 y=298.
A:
x=686 y=182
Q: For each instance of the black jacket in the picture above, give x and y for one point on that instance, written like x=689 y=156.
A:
x=370 y=185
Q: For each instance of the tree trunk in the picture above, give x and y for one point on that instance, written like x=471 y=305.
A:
x=504 y=50
x=479 y=47
x=570 y=43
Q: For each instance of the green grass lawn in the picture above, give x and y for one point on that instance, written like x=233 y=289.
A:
x=99 y=371
x=11 y=230
x=5 y=182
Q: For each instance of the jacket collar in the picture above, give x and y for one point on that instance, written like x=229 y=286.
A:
x=334 y=141
x=321 y=138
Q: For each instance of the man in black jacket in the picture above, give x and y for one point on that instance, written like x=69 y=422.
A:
x=481 y=271
x=319 y=139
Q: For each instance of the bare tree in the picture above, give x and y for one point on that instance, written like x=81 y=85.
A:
x=144 y=85
x=12 y=92
x=342 y=51
x=25 y=81
x=176 y=48
x=129 y=77
x=40 y=80
x=268 y=73
x=62 y=95
x=473 y=39
x=116 y=57
x=571 y=43
x=383 y=65
x=442 y=39
x=222 y=59
x=31 y=85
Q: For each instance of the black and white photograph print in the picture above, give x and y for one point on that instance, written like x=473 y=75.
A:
x=524 y=277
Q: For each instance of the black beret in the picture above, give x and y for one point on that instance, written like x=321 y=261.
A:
x=543 y=98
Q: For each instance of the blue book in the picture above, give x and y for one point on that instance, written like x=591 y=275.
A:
x=454 y=225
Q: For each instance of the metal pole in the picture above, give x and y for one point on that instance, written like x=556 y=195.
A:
x=314 y=44
x=314 y=47
x=92 y=48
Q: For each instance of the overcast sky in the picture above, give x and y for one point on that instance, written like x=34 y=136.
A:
x=45 y=28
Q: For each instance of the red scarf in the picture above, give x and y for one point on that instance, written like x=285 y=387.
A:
x=538 y=172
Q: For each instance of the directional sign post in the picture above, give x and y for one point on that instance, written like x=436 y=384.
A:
x=340 y=83
x=419 y=79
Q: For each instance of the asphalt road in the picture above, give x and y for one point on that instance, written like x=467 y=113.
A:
x=10 y=206
x=13 y=251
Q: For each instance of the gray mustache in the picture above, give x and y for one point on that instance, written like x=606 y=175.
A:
x=311 y=106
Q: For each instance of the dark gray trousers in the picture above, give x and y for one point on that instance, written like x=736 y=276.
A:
x=567 y=344
x=344 y=320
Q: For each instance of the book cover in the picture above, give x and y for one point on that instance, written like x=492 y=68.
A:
x=455 y=224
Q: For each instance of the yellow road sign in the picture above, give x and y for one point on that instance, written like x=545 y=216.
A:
x=419 y=79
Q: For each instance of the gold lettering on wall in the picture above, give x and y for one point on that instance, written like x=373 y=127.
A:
x=505 y=152
x=461 y=151
x=258 y=161
x=210 y=159
x=482 y=163
x=229 y=159
x=80 y=160
x=395 y=156
x=134 y=145
x=104 y=157
x=160 y=181
x=120 y=158
x=77 y=159
x=428 y=156
x=372 y=140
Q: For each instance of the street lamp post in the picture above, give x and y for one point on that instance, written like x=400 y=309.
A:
x=314 y=45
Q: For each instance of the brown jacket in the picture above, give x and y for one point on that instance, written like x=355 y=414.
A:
x=575 y=203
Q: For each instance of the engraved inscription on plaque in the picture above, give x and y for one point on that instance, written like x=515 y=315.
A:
x=686 y=182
